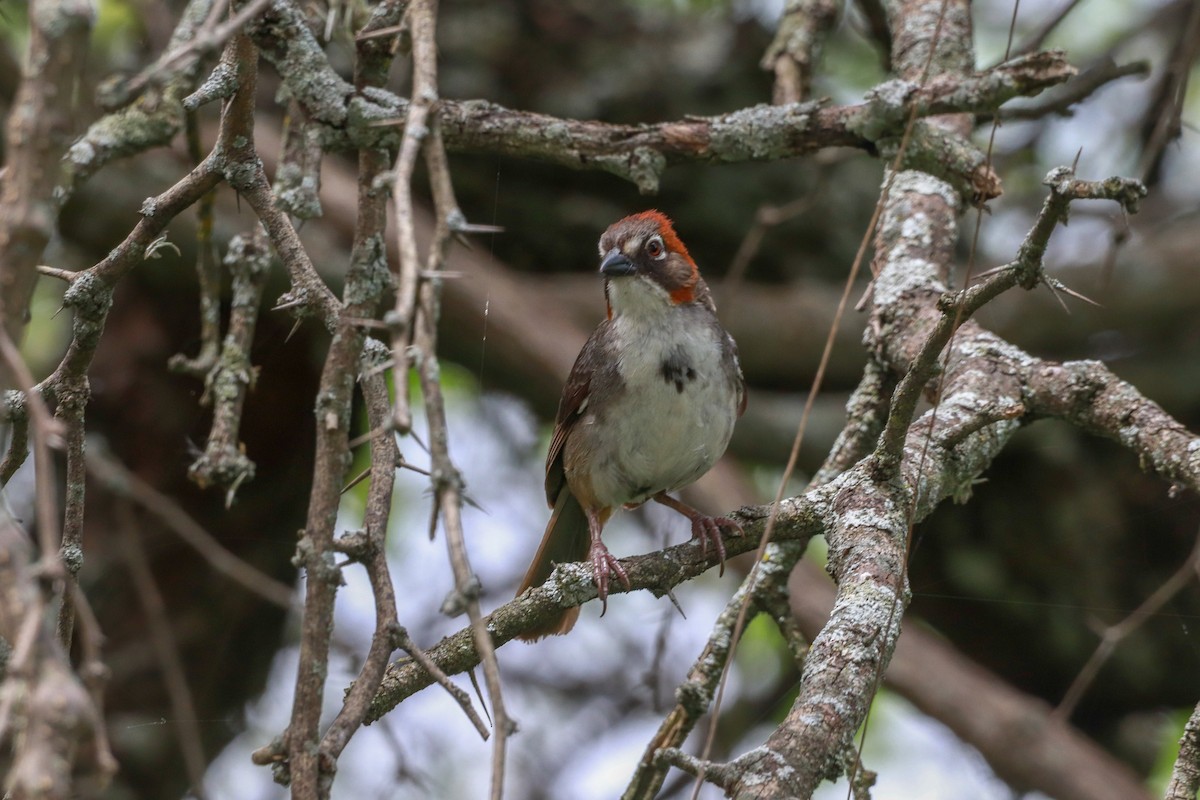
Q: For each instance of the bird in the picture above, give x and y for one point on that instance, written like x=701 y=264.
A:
x=649 y=406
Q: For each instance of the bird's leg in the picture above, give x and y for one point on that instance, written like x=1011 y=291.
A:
x=603 y=562
x=705 y=528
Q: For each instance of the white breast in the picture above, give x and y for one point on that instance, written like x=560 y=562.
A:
x=666 y=431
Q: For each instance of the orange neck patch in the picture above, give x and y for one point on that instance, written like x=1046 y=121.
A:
x=684 y=294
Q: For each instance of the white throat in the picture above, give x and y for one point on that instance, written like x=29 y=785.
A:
x=637 y=297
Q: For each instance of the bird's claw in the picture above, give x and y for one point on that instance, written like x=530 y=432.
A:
x=605 y=563
x=708 y=529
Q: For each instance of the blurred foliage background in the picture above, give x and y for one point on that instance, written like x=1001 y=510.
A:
x=1065 y=536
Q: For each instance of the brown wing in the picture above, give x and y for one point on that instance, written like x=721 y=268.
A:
x=731 y=352
x=571 y=406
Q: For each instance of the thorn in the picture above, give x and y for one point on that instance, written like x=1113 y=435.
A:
x=402 y=463
x=1078 y=296
x=471 y=501
x=384 y=367
x=363 y=438
x=475 y=227
x=61 y=274
x=479 y=696
x=1054 y=291
x=295 y=328
x=426 y=274
x=866 y=296
x=675 y=602
x=292 y=303
x=388 y=31
x=993 y=271
x=232 y=492
x=356 y=481
x=433 y=517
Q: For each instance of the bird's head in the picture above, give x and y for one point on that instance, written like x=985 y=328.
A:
x=644 y=262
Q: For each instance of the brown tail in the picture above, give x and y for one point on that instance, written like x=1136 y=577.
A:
x=566 y=540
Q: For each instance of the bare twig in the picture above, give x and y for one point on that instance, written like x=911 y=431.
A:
x=224 y=461
x=1038 y=38
x=114 y=477
x=1061 y=100
x=1165 y=113
x=698 y=690
x=70 y=412
x=367 y=266
x=16 y=415
x=572 y=584
x=1113 y=635
x=442 y=679
x=183 y=56
x=208 y=275
x=1025 y=271
x=640 y=153
x=165 y=648
x=765 y=218
x=62 y=729
x=447 y=481
x=1013 y=730
x=47 y=434
x=422 y=17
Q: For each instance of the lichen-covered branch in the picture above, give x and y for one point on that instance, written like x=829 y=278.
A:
x=571 y=585
x=793 y=52
x=151 y=121
x=696 y=693
x=1185 y=777
x=640 y=153
x=37 y=134
x=368 y=254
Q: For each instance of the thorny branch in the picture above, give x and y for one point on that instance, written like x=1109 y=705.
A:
x=859 y=501
x=369 y=547
x=954 y=461
x=1185 y=778
x=414 y=320
x=640 y=153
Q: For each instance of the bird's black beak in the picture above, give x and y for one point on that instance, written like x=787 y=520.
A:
x=615 y=264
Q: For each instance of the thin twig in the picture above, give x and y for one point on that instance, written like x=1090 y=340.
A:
x=1113 y=635
x=182 y=58
x=165 y=648
x=447 y=481
x=442 y=679
x=1035 y=41
x=422 y=17
x=46 y=433
x=72 y=403
x=208 y=275
x=113 y=475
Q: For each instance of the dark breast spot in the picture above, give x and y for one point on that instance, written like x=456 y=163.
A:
x=675 y=369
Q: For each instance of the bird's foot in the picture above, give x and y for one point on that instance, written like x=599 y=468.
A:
x=605 y=564
x=708 y=530
x=705 y=528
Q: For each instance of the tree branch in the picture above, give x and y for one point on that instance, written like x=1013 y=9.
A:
x=640 y=153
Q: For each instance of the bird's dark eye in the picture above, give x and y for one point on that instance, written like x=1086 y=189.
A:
x=655 y=249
